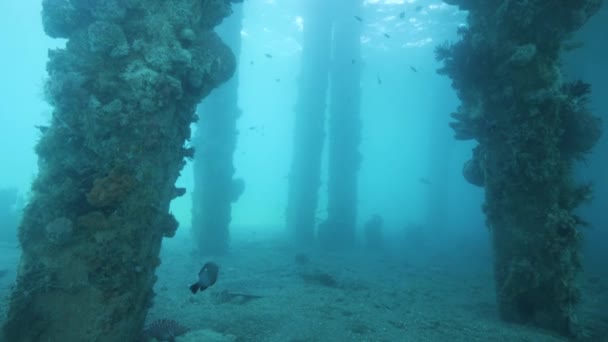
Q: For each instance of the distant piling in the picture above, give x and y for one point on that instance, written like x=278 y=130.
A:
x=339 y=229
x=309 y=134
x=215 y=188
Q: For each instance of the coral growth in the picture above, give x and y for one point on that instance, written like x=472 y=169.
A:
x=531 y=127
x=124 y=88
x=110 y=190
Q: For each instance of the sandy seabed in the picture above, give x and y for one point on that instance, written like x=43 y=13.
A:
x=265 y=293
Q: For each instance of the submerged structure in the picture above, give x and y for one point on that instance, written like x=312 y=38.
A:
x=531 y=127
x=339 y=230
x=215 y=188
x=124 y=91
x=329 y=83
x=309 y=134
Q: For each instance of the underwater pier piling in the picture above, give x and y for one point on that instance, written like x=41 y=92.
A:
x=531 y=127
x=215 y=188
x=124 y=91
x=309 y=134
x=330 y=74
x=339 y=230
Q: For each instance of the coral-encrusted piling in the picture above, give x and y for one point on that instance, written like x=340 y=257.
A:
x=215 y=188
x=309 y=135
x=531 y=127
x=124 y=91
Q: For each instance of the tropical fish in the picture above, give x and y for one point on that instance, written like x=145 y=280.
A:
x=206 y=277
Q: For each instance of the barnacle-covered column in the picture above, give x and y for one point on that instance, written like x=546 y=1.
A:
x=309 y=135
x=531 y=127
x=215 y=189
x=338 y=231
x=124 y=91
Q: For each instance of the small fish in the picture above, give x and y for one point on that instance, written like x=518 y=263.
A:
x=424 y=181
x=386 y=35
x=402 y=15
x=251 y=128
x=379 y=80
x=206 y=277
x=268 y=55
x=353 y=61
x=3 y=273
x=358 y=18
x=413 y=69
x=277 y=80
x=418 y=8
x=251 y=62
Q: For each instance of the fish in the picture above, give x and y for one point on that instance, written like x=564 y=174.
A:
x=402 y=15
x=413 y=69
x=358 y=18
x=378 y=79
x=424 y=181
x=386 y=35
x=418 y=8
x=268 y=55
x=3 y=273
x=206 y=277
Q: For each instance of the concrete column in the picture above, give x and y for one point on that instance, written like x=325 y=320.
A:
x=339 y=230
x=215 y=188
x=124 y=91
x=309 y=134
x=531 y=127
